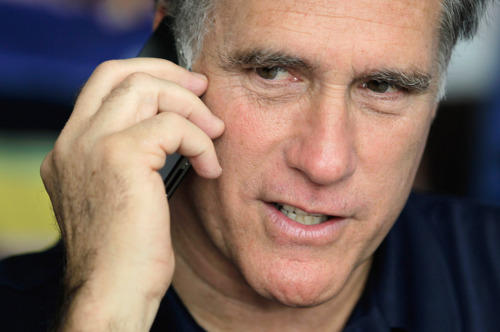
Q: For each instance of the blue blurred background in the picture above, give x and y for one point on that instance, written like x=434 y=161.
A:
x=48 y=48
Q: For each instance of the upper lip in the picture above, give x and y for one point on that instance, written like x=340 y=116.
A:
x=329 y=202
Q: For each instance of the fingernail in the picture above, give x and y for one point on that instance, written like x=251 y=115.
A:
x=200 y=76
x=220 y=123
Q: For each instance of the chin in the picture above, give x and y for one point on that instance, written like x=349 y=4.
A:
x=300 y=287
x=298 y=295
x=299 y=301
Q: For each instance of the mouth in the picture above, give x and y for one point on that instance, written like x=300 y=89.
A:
x=301 y=216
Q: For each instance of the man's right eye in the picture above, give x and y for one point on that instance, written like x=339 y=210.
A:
x=272 y=73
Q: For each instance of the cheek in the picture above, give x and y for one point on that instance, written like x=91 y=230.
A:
x=252 y=132
x=242 y=135
x=391 y=154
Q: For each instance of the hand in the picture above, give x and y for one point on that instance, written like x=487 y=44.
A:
x=109 y=199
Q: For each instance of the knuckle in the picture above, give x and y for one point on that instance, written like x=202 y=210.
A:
x=46 y=167
x=192 y=137
x=134 y=82
x=118 y=91
x=107 y=67
x=205 y=144
x=177 y=122
x=137 y=78
x=173 y=118
x=171 y=122
x=57 y=155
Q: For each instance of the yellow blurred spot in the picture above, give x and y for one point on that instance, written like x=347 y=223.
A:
x=26 y=217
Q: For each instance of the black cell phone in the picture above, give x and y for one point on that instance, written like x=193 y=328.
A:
x=161 y=44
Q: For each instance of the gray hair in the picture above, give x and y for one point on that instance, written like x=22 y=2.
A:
x=459 y=21
x=193 y=19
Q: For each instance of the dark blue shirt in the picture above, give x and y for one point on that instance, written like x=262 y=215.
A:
x=437 y=270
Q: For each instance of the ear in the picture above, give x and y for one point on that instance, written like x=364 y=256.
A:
x=160 y=13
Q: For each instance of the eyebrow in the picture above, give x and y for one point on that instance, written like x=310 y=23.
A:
x=413 y=80
x=254 y=58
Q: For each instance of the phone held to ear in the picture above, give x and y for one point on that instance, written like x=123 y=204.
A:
x=161 y=44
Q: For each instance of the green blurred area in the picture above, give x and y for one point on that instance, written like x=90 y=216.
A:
x=26 y=217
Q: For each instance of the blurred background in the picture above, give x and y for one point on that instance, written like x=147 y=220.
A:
x=48 y=48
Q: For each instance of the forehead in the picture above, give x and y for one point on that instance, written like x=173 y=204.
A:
x=355 y=32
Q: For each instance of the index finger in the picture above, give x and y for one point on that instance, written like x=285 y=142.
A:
x=111 y=73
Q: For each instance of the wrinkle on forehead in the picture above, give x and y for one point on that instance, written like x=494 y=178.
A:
x=304 y=17
x=396 y=13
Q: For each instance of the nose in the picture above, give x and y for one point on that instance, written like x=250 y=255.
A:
x=323 y=148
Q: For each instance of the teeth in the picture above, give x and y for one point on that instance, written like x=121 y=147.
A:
x=301 y=216
x=299 y=211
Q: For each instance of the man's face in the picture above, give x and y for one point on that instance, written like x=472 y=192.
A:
x=327 y=107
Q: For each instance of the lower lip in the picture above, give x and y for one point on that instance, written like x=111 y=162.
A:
x=287 y=231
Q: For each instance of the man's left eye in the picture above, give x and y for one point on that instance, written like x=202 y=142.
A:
x=380 y=86
x=272 y=73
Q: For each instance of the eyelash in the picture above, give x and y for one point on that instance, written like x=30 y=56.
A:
x=397 y=88
x=278 y=69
